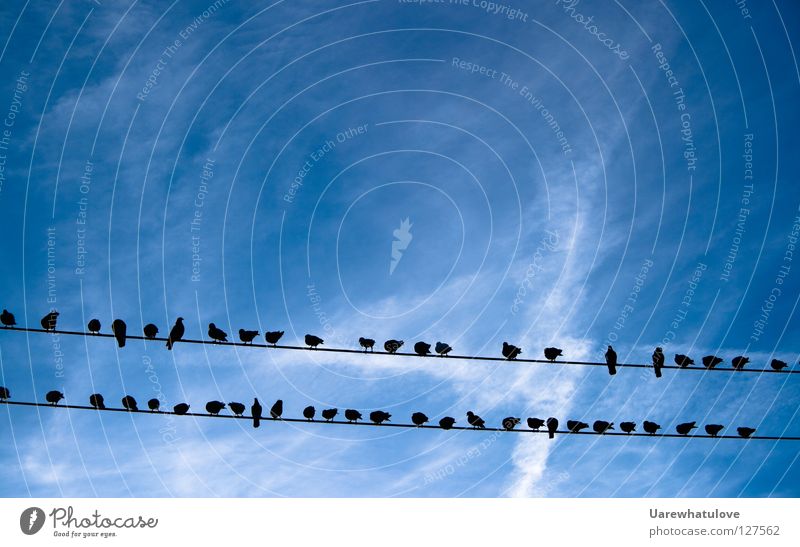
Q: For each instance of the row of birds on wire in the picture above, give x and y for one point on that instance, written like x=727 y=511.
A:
x=379 y=417
x=423 y=349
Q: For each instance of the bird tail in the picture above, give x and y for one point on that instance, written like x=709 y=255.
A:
x=169 y=343
x=612 y=369
x=658 y=372
x=256 y=421
x=121 y=341
x=551 y=434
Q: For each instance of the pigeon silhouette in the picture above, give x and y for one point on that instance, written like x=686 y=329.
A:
x=7 y=319
x=447 y=422
x=628 y=427
x=658 y=361
x=247 y=336
x=309 y=412
x=48 y=322
x=510 y=423
x=777 y=364
x=176 y=333
x=714 y=429
x=277 y=410
x=214 y=407
x=129 y=403
x=93 y=326
x=352 y=415
x=552 y=427
x=551 y=354
x=710 y=361
x=442 y=349
x=510 y=352
x=53 y=397
x=180 y=409
x=216 y=334
x=97 y=401
x=422 y=349
x=739 y=362
x=330 y=413
x=418 y=418
x=683 y=361
x=237 y=408
x=575 y=426
x=650 y=427
x=120 y=330
x=745 y=431
x=154 y=405
x=535 y=423
x=392 y=345
x=367 y=343
x=379 y=416
x=611 y=360
x=150 y=331
x=4 y=393
x=313 y=341
x=685 y=428
x=256 y=411
x=475 y=421
x=272 y=337
x=601 y=426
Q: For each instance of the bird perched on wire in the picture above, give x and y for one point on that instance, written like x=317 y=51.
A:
x=180 y=409
x=710 y=361
x=535 y=423
x=255 y=412
x=7 y=319
x=313 y=341
x=217 y=334
x=129 y=403
x=683 y=361
x=392 y=345
x=601 y=426
x=447 y=422
x=48 y=322
x=247 y=336
x=510 y=352
x=575 y=426
x=150 y=331
x=237 y=408
x=475 y=421
x=53 y=397
x=552 y=427
x=745 y=431
x=120 y=330
x=277 y=409
x=777 y=364
x=367 y=343
x=442 y=349
x=510 y=423
x=93 y=326
x=273 y=336
x=418 y=418
x=611 y=360
x=685 y=428
x=309 y=412
x=422 y=349
x=628 y=427
x=352 y=415
x=658 y=361
x=154 y=405
x=329 y=413
x=650 y=427
x=739 y=362
x=714 y=429
x=4 y=393
x=551 y=354
x=214 y=407
x=176 y=333
x=379 y=416
x=97 y=401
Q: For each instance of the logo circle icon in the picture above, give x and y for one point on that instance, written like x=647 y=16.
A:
x=31 y=520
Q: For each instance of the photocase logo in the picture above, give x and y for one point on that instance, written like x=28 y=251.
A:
x=402 y=239
x=31 y=520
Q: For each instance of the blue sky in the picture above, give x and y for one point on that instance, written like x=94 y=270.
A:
x=561 y=190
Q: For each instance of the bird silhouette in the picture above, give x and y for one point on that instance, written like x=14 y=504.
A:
x=745 y=431
x=352 y=415
x=313 y=341
x=739 y=362
x=217 y=334
x=7 y=319
x=535 y=423
x=329 y=413
x=214 y=407
x=601 y=426
x=575 y=426
x=247 y=336
x=237 y=408
x=120 y=330
x=777 y=364
x=442 y=349
x=392 y=345
x=422 y=349
x=272 y=337
x=611 y=360
x=510 y=352
x=4 y=393
x=53 y=397
x=714 y=429
x=510 y=423
x=150 y=331
x=180 y=409
x=176 y=333
x=658 y=361
x=256 y=411
x=129 y=403
x=48 y=322
x=93 y=326
x=475 y=421
x=154 y=405
x=710 y=361
x=552 y=427
x=277 y=410
x=309 y=412
x=367 y=343
x=418 y=418
x=685 y=428
x=379 y=416
x=650 y=427
x=683 y=361
x=628 y=427
x=97 y=401
x=551 y=354
x=447 y=422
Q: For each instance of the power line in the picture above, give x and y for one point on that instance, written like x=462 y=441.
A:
x=400 y=425
x=397 y=354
